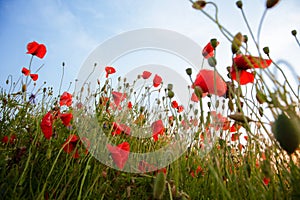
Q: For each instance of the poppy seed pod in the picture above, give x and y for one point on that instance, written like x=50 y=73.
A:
x=294 y=32
x=287 y=132
x=189 y=71
x=239 y=4
x=271 y=3
x=266 y=50
x=212 y=61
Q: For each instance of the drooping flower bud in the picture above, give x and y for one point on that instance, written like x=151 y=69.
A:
x=199 y=5
x=212 y=61
x=266 y=50
x=237 y=43
x=271 y=3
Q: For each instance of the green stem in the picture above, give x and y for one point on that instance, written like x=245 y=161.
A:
x=260 y=25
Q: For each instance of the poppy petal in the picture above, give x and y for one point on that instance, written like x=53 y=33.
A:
x=25 y=71
x=46 y=125
x=146 y=74
x=119 y=153
x=244 y=76
x=157 y=80
x=34 y=77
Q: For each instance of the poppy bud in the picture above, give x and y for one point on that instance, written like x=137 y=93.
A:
x=199 y=5
x=170 y=94
x=245 y=38
x=239 y=117
x=7 y=81
x=189 y=71
x=214 y=43
x=266 y=50
x=239 y=4
x=260 y=97
x=209 y=104
x=159 y=186
x=24 y=88
x=236 y=43
x=287 y=132
x=294 y=32
x=170 y=86
x=261 y=111
x=271 y=3
x=212 y=61
x=198 y=92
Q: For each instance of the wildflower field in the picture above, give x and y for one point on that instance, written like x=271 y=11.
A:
x=238 y=138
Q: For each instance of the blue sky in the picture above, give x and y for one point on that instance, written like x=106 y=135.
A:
x=71 y=30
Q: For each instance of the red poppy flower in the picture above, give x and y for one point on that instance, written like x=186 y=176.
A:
x=174 y=104
x=207 y=80
x=146 y=74
x=208 y=50
x=46 y=125
x=118 y=97
x=34 y=77
x=129 y=105
x=70 y=144
x=119 y=153
x=65 y=99
x=66 y=118
x=241 y=63
x=235 y=127
x=266 y=180
x=157 y=128
x=180 y=109
x=9 y=139
x=36 y=49
x=25 y=71
x=246 y=137
x=109 y=70
x=157 y=80
x=119 y=128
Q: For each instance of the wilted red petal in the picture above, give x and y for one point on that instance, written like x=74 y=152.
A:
x=25 y=71
x=65 y=99
x=118 y=97
x=109 y=70
x=157 y=128
x=66 y=118
x=157 y=80
x=34 y=77
x=235 y=127
x=208 y=79
x=208 y=50
x=46 y=125
x=146 y=74
x=244 y=76
x=119 y=153
x=247 y=62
